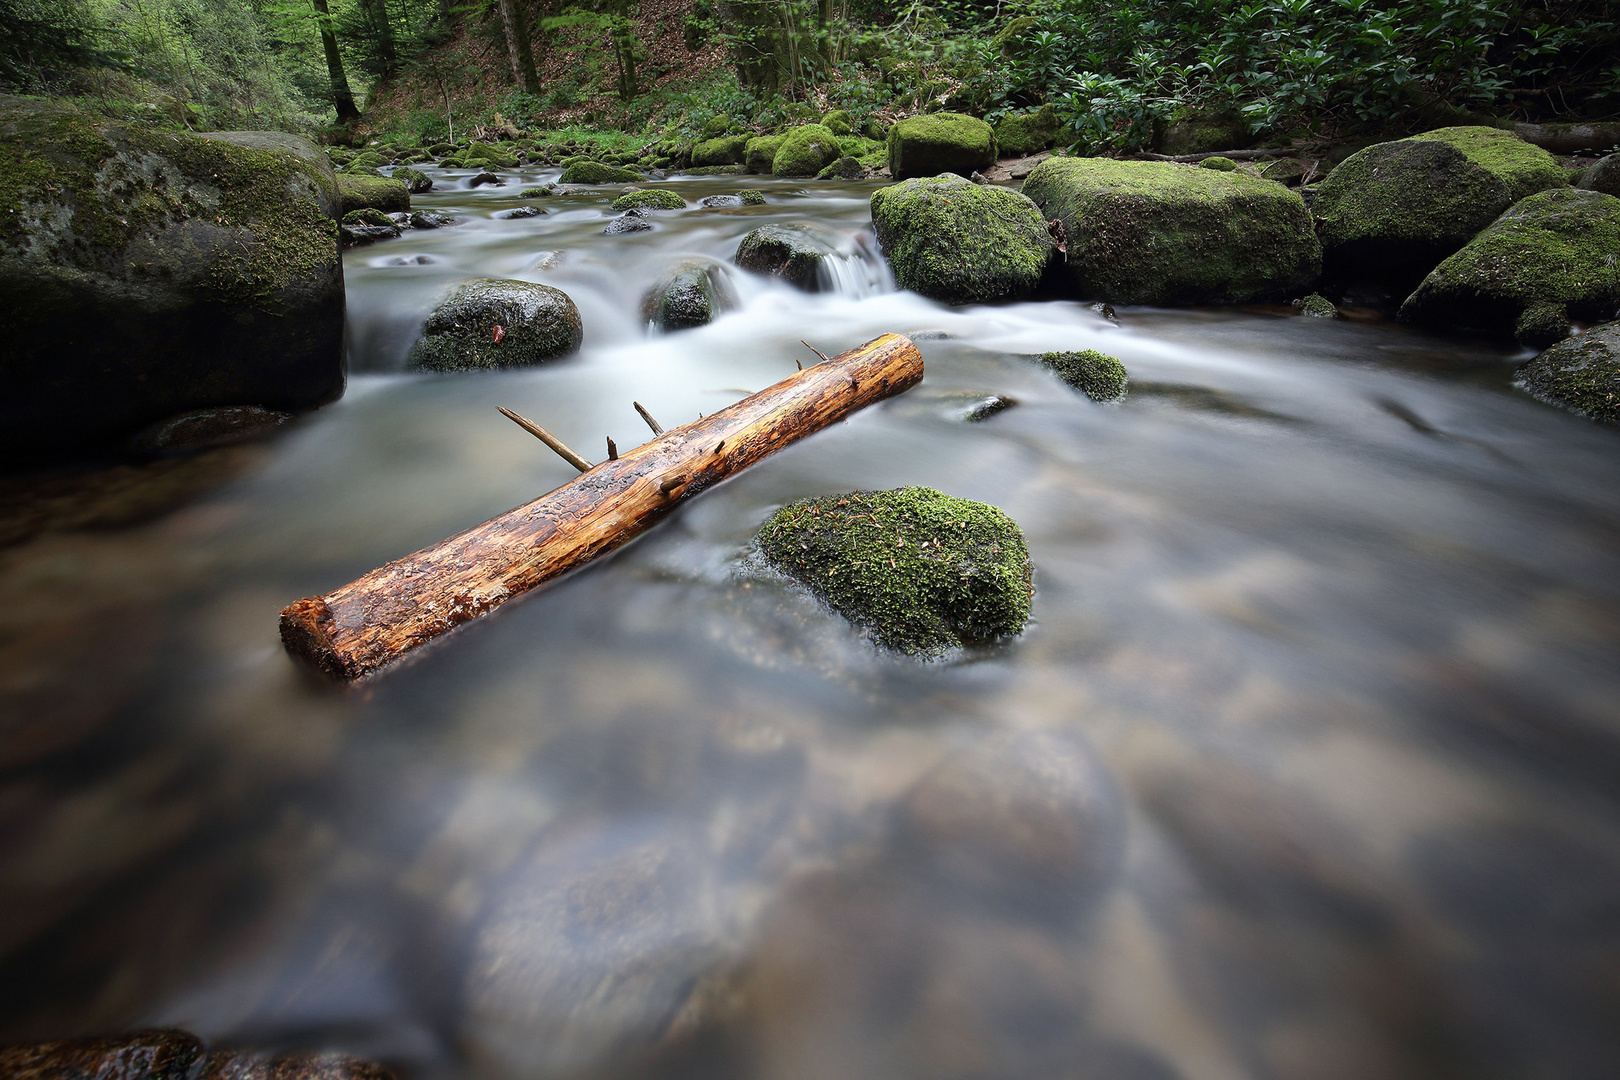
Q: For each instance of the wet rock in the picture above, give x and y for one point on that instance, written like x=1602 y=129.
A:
x=547 y=260
x=845 y=168
x=1100 y=377
x=361 y=235
x=147 y=273
x=495 y=323
x=631 y=221
x=427 y=219
x=974 y=408
x=940 y=142
x=952 y=240
x=750 y=197
x=223 y=1065
x=486 y=179
x=411 y=260
x=1603 y=175
x=594 y=172
x=156 y=1054
x=1145 y=232
x=1547 y=260
x=934 y=573
x=209 y=427
x=376 y=193
x=791 y=252
x=1316 y=306
x=655 y=199
x=416 y=181
x=522 y=212
x=689 y=294
x=368 y=216
x=715 y=202
x=1392 y=212
x=536 y=193
x=804 y=151
x=1019 y=134
x=1287 y=171
x=1581 y=374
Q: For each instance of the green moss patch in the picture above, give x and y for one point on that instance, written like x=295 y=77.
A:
x=920 y=571
x=760 y=152
x=960 y=242
x=1027 y=133
x=378 y=193
x=655 y=199
x=725 y=150
x=1096 y=374
x=594 y=172
x=938 y=143
x=805 y=151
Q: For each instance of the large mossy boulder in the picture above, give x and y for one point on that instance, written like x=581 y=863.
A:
x=725 y=150
x=1581 y=374
x=805 y=151
x=938 y=143
x=1028 y=133
x=1147 y=232
x=373 y=193
x=594 y=172
x=1552 y=257
x=760 y=152
x=920 y=571
x=1391 y=212
x=1203 y=131
x=794 y=253
x=496 y=323
x=148 y=273
x=960 y=242
x=689 y=294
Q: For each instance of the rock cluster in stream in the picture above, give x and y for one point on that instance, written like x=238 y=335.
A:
x=168 y=1054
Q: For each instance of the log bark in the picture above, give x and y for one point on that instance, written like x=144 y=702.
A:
x=353 y=631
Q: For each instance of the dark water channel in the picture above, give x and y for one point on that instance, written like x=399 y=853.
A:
x=1306 y=769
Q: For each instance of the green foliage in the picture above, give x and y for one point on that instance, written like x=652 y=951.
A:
x=40 y=37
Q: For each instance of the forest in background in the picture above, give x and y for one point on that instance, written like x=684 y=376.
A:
x=1113 y=71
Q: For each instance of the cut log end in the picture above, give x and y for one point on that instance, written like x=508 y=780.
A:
x=304 y=633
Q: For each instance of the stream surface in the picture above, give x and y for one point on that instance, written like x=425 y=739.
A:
x=1305 y=769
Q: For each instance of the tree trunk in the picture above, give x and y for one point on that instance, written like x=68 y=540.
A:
x=517 y=47
x=342 y=97
x=377 y=15
x=352 y=631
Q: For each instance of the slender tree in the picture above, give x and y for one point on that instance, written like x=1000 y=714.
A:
x=517 y=47
x=342 y=96
x=382 y=35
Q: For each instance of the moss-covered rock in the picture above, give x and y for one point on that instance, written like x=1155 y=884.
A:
x=960 y=242
x=845 y=168
x=1391 y=212
x=805 y=151
x=839 y=122
x=489 y=154
x=1029 y=132
x=1602 y=175
x=1219 y=164
x=750 y=197
x=148 y=273
x=1203 y=131
x=1581 y=374
x=717 y=126
x=1289 y=171
x=725 y=150
x=1095 y=374
x=794 y=253
x=1316 y=306
x=373 y=192
x=761 y=152
x=1013 y=39
x=367 y=216
x=689 y=294
x=939 y=143
x=1550 y=258
x=496 y=323
x=1144 y=232
x=653 y=199
x=920 y=571
x=594 y=172
x=415 y=180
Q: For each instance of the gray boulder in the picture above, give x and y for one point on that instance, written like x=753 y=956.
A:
x=959 y=242
x=1581 y=374
x=1602 y=176
x=688 y=294
x=793 y=253
x=496 y=323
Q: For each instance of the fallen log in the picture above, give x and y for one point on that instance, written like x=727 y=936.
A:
x=355 y=630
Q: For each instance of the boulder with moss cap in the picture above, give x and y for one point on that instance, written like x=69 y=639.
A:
x=761 y=152
x=1581 y=374
x=1550 y=259
x=725 y=150
x=1147 y=232
x=495 y=323
x=794 y=253
x=148 y=273
x=959 y=242
x=938 y=143
x=919 y=571
x=1029 y=132
x=652 y=199
x=1095 y=374
x=594 y=172
x=805 y=151
x=373 y=193
x=1391 y=212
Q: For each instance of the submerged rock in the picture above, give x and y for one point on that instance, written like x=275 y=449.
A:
x=688 y=294
x=1099 y=376
x=791 y=252
x=1581 y=374
x=1145 y=232
x=717 y=202
x=427 y=219
x=522 y=212
x=920 y=571
x=486 y=179
x=594 y=172
x=940 y=142
x=536 y=193
x=373 y=192
x=656 y=199
x=1603 y=175
x=495 y=323
x=1392 y=212
x=805 y=151
x=955 y=241
x=1549 y=259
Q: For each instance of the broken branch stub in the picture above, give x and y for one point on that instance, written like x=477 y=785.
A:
x=357 y=629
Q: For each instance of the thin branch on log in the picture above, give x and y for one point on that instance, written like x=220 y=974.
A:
x=546 y=437
x=613 y=449
x=647 y=416
x=372 y=621
x=813 y=349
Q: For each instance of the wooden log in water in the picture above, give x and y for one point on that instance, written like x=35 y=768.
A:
x=352 y=631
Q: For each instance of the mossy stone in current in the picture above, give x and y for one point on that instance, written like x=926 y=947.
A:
x=376 y=193
x=1028 y=133
x=1147 y=232
x=495 y=323
x=960 y=242
x=1581 y=374
x=805 y=151
x=1554 y=250
x=793 y=253
x=920 y=571
x=489 y=154
x=845 y=168
x=725 y=150
x=1096 y=374
x=1317 y=306
x=688 y=294
x=594 y=172
x=653 y=199
x=415 y=180
x=760 y=152
x=938 y=143
x=368 y=216
x=750 y=197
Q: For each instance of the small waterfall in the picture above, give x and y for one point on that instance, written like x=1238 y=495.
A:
x=859 y=272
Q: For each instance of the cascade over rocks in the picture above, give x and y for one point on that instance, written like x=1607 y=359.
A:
x=960 y=242
x=146 y=273
x=496 y=323
x=1146 y=232
x=940 y=142
x=689 y=294
x=1581 y=374
x=793 y=253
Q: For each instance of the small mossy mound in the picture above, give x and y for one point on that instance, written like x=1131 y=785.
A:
x=793 y=253
x=594 y=172
x=920 y=571
x=1029 y=132
x=1391 y=212
x=368 y=216
x=1219 y=164
x=839 y=122
x=1144 y=232
x=535 y=323
x=1316 y=306
x=845 y=168
x=1602 y=175
x=761 y=152
x=750 y=197
x=536 y=193
x=805 y=151
x=960 y=242
x=1581 y=374
x=376 y=193
x=717 y=126
x=725 y=150
x=939 y=143
x=1095 y=374
x=689 y=294
x=415 y=180
x=1554 y=250
x=654 y=199
x=489 y=154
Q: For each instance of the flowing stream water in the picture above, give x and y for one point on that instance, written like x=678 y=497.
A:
x=1305 y=768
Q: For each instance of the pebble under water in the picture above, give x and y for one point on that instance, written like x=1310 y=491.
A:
x=1305 y=769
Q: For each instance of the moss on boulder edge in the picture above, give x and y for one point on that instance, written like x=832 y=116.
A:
x=1391 y=212
x=922 y=572
x=1581 y=374
x=1028 y=133
x=724 y=150
x=959 y=242
x=651 y=199
x=1553 y=253
x=805 y=151
x=373 y=193
x=1144 y=232
x=760 y=152
x=940 y=142
x=537 y=323
x=148 y=273
x=1097 y=375
x=594 y=172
